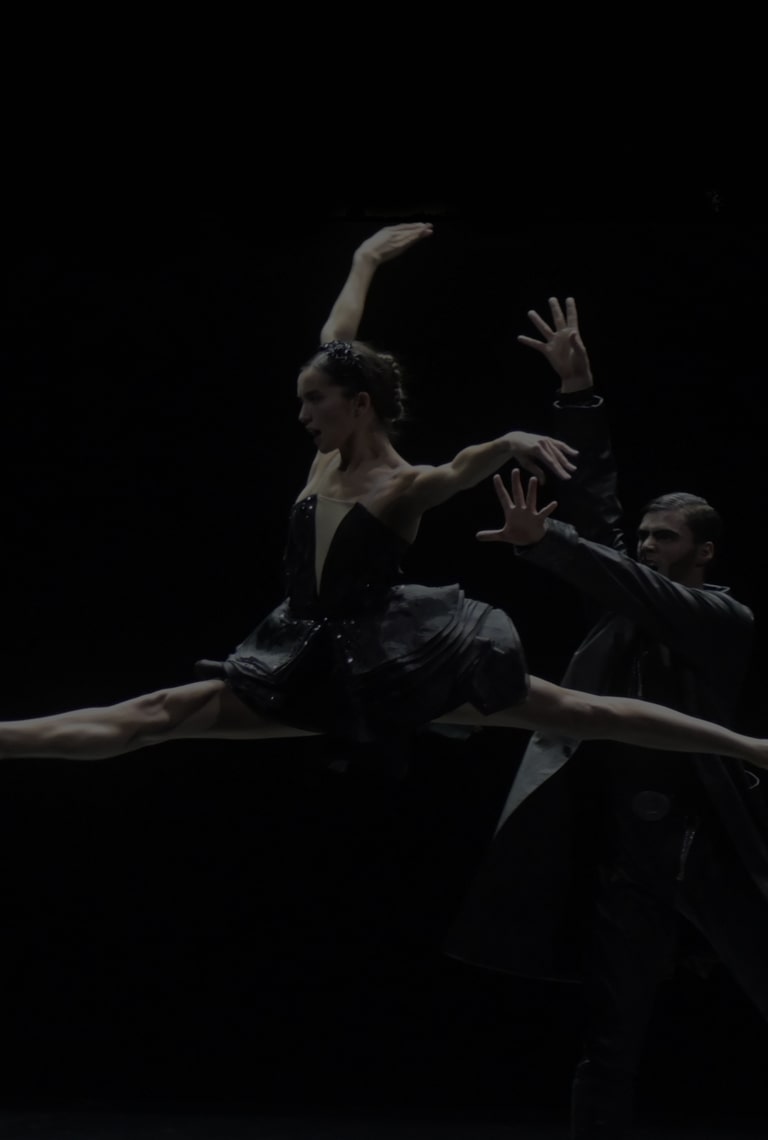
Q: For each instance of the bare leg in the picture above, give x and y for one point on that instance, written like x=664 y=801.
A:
x=209 y=709
x=584 y=716
x=203 y=709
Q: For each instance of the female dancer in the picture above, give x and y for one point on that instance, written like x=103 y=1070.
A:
x=352 y=650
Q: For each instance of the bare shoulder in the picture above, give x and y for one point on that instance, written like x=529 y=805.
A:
x=400 y=480
x=401 y=491
x=390 y=488
x=394 y=503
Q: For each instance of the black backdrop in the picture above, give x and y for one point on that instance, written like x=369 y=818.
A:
x=239 y=920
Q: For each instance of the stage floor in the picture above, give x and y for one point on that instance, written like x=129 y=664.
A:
x=103 y=1124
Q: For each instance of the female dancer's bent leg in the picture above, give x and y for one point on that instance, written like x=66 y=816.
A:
x=552 y=709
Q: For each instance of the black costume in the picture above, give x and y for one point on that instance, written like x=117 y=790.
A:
x=595 y=859
x=368 y=656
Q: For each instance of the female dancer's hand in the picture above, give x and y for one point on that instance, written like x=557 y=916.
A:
x=562 y=345
x=344 y=319
x=524 y=524
x=391 y=241
x=536 y=452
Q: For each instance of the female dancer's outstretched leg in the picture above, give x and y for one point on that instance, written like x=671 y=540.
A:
x=552 y=709
x=202 y=709
x=209 y=709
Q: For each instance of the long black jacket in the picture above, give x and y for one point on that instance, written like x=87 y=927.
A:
x=683 y=647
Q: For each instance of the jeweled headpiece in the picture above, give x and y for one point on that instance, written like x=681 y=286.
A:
x=341 y=352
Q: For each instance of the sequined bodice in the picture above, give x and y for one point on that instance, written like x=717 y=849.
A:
x=362 y=563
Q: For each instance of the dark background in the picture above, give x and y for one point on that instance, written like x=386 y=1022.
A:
x=240 y=921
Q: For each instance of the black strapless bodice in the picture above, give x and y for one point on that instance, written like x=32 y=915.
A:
x=362 y=563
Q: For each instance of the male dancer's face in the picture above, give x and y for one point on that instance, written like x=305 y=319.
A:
x=667 y=544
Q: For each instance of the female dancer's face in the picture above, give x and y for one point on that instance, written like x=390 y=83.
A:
x=326 y=413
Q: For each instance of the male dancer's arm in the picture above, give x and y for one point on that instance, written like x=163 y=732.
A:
x=678 y=616
x=589 y=501
x=693 y=622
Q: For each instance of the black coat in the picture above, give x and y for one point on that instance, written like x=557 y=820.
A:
x=525 y=910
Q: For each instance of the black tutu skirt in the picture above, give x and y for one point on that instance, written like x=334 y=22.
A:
x=420 y=653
